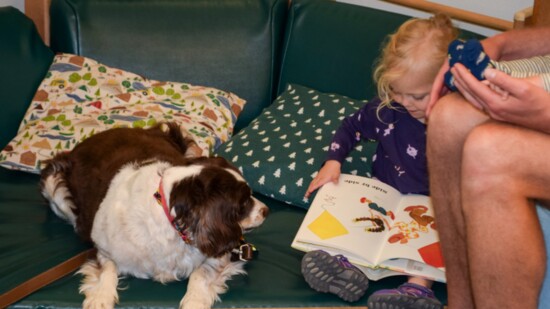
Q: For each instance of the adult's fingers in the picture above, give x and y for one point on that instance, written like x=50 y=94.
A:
x=467 y=84
x=504 y=81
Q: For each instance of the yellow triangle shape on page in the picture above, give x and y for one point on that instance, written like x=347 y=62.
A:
x=327 y=226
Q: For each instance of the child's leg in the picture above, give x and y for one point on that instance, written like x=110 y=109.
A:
x=421 y=281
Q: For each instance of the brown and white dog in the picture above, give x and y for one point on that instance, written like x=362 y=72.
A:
x=152 y=210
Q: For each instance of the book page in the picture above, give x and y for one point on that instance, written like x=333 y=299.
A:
x=414 y=268
x=375 y=274
x=413 y=237
x=351 y=218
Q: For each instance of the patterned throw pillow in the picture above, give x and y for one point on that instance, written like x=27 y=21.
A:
x=281 y=151
x=80 y=97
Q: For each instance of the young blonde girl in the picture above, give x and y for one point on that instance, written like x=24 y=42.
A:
x=406 y=70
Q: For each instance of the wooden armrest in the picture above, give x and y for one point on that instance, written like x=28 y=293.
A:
x=38 y=11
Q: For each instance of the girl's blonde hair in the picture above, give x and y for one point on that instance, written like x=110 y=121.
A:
x=417 y=44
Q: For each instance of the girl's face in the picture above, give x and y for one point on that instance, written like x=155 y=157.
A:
x=413 y=93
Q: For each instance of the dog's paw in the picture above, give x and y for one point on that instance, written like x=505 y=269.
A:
x=99 y=285
x=98 y=303
x=194 y=303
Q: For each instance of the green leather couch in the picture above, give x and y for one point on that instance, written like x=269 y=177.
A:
x=252 y=48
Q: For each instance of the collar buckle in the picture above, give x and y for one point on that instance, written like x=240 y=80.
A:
x=245 y=252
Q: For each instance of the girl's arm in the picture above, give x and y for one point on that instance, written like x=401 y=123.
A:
x=353 y=129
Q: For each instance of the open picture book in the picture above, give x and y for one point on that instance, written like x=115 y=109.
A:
x=381 y=231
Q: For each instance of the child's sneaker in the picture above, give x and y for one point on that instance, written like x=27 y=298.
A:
x=406 y=296
x=334 y=274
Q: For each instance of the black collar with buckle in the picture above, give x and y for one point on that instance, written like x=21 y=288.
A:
x=244 y=252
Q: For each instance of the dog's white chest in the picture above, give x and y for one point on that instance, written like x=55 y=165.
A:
x=131 y=228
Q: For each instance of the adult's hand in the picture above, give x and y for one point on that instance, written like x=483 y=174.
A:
x=491 y=46
x=523 y=102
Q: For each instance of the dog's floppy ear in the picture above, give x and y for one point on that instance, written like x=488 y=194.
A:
x=218 y=231
x=211 y=205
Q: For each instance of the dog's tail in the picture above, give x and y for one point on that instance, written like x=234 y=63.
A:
x=184 y=143
x=54 y=188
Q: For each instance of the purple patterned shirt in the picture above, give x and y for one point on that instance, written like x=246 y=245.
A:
x=400 y=158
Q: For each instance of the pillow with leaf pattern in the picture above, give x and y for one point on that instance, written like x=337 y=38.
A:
x=281 y=151
x=80 y=97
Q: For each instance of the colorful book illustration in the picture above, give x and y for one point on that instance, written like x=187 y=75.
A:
x=380 y=230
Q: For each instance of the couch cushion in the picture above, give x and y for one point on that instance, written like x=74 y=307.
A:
x=32 y=238
x=24 y=60
x=274 y=279
x=236 y=48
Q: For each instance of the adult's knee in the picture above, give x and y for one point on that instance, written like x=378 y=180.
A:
x=445 y=115
x=485 y=152
x=450 y=122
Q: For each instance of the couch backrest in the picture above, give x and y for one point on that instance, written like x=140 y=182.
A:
x=231 y=45
x=332 y=46
x=24 y=60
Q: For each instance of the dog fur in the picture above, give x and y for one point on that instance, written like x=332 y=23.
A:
x=106 y=189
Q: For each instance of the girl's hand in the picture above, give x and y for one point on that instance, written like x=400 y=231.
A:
x=329 y=172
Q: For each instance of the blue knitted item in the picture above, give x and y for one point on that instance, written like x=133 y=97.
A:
x=471 y=55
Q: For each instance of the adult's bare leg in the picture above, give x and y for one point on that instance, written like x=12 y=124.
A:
x=449 y=124
x=505 y=168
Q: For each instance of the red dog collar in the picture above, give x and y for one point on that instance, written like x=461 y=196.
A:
x=180 y=228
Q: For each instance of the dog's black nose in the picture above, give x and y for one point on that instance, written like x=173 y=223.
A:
x=265 y=211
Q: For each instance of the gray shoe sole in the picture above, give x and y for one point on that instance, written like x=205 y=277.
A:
x=402 y=302
x=324 y=274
